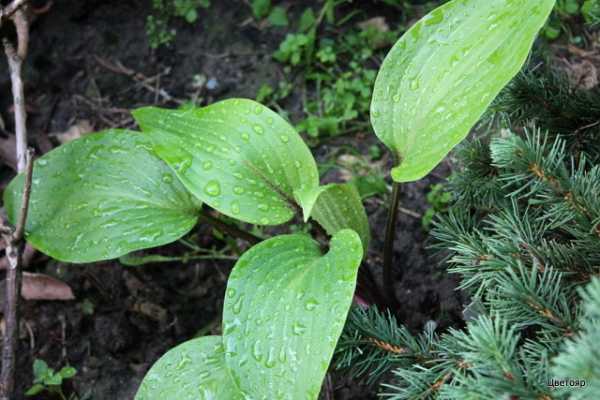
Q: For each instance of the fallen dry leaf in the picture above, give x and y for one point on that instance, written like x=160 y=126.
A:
x=378 y=23
x=133 y=284
x=582 y=73
x=348 y=161
x=7 y=152
x=76 y=131
x=151 y=310
x=44 y=287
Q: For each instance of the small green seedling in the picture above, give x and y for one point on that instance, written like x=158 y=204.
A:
x=87 y=307
x=438 y=199
x=276 y=15
x=157 y=25
x=46 y=379
x=336 y=69
x=591 y=11
x=111 y=193
x=566 y=10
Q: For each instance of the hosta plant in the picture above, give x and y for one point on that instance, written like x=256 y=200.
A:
x=114 y=192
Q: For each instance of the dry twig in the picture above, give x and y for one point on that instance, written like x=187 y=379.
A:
x=15 y=64
x=140 y=78
x=9 y=10
x=14 y=256
x=14 y=238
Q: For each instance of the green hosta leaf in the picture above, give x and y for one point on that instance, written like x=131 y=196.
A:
x=237 y=156
x=285 y=308
x=194 y=370
x=370 y=185
x=339 y=207
x=307 y=20
x=444 y=72
x=260 y=8
x=102 y=196
x=278 y=17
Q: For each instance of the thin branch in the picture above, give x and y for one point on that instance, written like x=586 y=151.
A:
x=588 y=126
x=15 y=64
x=14 y=256
x=14 y=239
x=12 y=8
x=140 y=78
x=410 y=213
x=20 y=229
x=328 y=388
x=22 y=25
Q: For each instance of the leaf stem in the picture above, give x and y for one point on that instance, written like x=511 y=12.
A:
x=229 y=229
x=388 y=248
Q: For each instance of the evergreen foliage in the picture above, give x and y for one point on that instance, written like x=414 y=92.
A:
x=545 y=98
x=523 y=234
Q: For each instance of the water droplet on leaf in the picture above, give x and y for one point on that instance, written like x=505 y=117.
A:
x=235 y=207
x=212 y=188
x=256 y=351
x=258 y=129
x=311 y=304
x=298 y=328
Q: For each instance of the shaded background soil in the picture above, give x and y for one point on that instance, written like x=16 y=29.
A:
x=90 y=60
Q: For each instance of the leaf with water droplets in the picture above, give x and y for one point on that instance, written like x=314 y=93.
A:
x=339 y=206
x=237 y=156
x=194 y=370
x=102 y=196
x=284 y=310
x=443 y=73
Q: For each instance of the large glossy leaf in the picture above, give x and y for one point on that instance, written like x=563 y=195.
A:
x=285 y=307
x=237 y=156
x=102 y=196
x=194 y=370
x=439 y=78
x=339 y=207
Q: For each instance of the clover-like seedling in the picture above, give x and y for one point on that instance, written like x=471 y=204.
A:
x=49 y=380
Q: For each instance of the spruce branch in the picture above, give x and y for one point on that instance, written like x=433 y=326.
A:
x=523 y=234
x=373 y=343
x=545 y=97
x=580 y=357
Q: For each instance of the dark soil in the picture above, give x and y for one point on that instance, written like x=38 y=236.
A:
x=139 y=313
